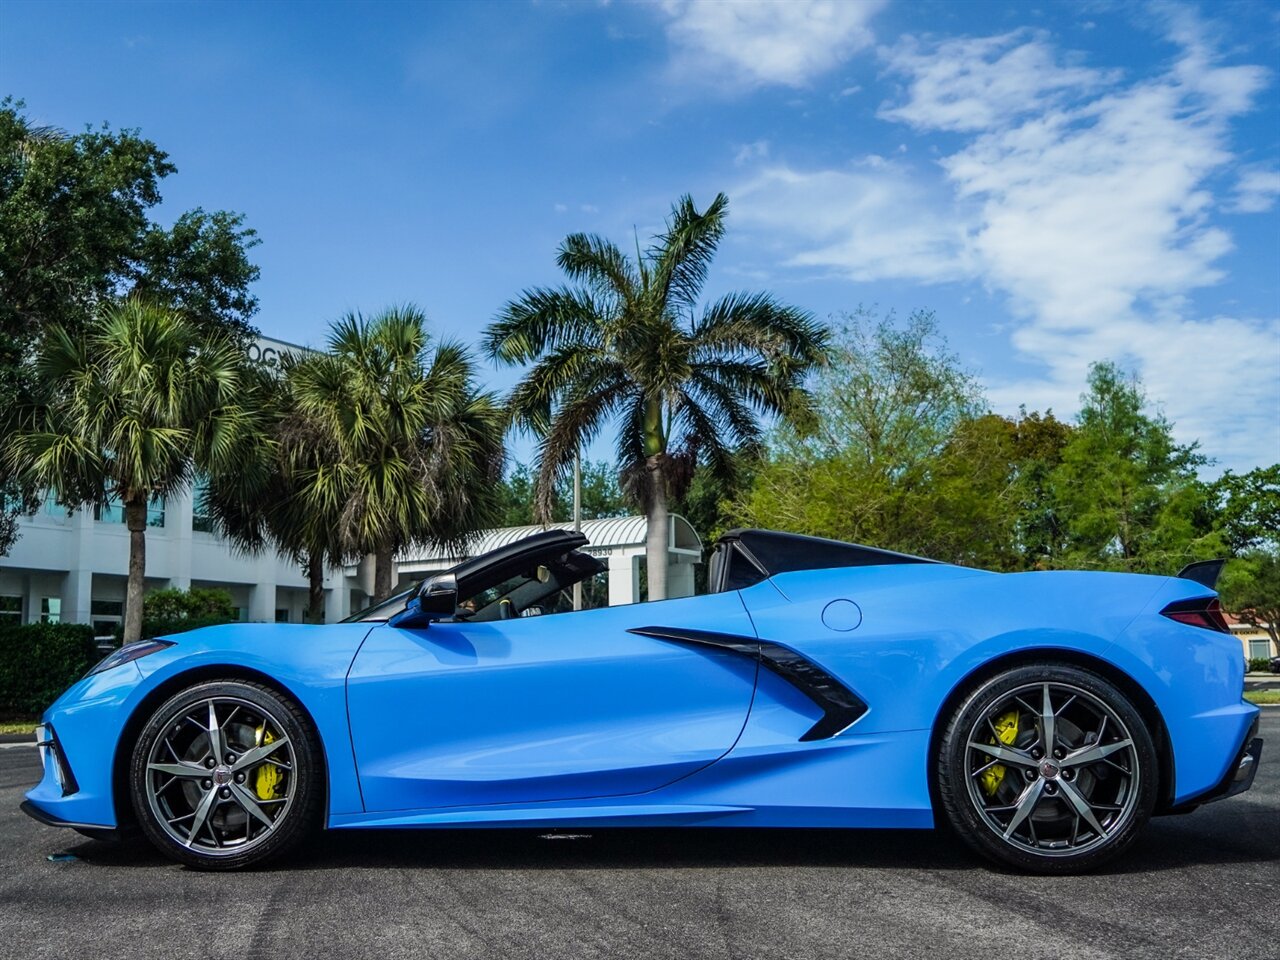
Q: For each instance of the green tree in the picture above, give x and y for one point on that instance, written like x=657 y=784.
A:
x=1248 y=507
x=1039 y=440
x=284 y=514
x=129 y=411
x=75 y=232
x=601 y=495
x=628 y=346
x=888 y=408
x=1251 y=590
x=418 y=445
x=1127 y=490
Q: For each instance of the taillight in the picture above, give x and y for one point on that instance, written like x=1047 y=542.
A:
x=1198 y=612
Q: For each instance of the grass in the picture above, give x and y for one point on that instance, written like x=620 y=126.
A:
x=1263 y=696
x=18 y=726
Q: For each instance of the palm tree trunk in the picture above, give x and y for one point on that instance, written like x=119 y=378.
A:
x=315 y=586
x=655 y=543
x=383 y=569
x=135 y=516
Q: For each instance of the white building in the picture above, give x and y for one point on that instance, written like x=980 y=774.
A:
x=73 y=568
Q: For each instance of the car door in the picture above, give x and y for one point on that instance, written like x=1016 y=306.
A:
x=534 y=709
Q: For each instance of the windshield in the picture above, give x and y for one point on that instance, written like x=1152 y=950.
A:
x=385 y=610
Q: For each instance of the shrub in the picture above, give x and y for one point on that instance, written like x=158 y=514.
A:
x=170 y=611
x=168 y=626
x=197 y=603
x=40 y=660
x=1259 y=664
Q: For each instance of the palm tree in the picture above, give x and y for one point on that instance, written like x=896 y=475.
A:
x=418 y=446
x=129 y=411
x=627 y=345
x=280 y=514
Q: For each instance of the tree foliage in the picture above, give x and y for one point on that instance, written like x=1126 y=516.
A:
x=905 y=455
x=1251 y=590
x=628 y=346
x=1128 y=492
x=76 y=232
x=601 y=496
x=417 y=445
x=130 y=410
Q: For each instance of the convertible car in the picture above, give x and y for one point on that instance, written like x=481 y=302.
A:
x=1044 y=717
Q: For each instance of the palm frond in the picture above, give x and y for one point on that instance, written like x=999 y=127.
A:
x=682 y=254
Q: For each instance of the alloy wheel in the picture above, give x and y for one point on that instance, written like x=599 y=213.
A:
x=1052 y=769
x=220 y=777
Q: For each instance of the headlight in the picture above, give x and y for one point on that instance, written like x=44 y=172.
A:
x=128 y=653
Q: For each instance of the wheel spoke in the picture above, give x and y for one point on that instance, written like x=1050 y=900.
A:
x=1081 y=806
x=255 y=755
x=202 y=815
x=250 y=805
x=1026 y=803
x=188 y=771
x=217 y=742
x=1094 y=752
x=1003 y=753
x=1047 y=722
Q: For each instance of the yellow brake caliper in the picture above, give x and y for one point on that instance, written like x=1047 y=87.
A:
x=1007 y=730
x=267 y=783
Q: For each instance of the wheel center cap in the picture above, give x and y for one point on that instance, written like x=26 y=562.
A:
x=1049 y=770
x=222 y=776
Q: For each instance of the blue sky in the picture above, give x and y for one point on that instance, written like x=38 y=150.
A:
x=1060 y=182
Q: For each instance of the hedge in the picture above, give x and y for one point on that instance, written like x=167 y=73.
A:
x=40 y=660
x=1259 y=664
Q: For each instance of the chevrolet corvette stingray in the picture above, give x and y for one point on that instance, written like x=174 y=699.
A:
x=1044 y=717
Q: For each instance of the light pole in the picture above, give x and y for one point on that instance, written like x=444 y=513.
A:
x=577 y=518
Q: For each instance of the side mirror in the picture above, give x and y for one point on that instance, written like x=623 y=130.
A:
x=438 y=596
x=437 y=599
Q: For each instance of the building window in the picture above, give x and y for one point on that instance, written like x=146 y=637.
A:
x=10 y=610
x=106 y=615
x=1259 y=648
x=51 y=610
x=52 y=507
x=113 y=512
x=282 y=616
x=201 y=521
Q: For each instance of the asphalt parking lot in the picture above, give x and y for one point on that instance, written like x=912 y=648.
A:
x=1198 y=886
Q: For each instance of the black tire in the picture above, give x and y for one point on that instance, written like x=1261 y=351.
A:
x=1025 y=812
x=240 y=822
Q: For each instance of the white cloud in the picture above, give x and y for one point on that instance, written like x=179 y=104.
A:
x=1085 y=200
x=752 y=43
x=871 y=221
x=974 y=83
x=1256 y=190
x=749 y=152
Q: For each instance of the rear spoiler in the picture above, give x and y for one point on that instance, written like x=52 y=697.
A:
x=1203 y=572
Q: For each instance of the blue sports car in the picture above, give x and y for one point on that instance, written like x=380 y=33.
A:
x=1043 y=716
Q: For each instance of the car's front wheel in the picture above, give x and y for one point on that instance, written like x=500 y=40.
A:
x=1047 y=768
x=226 y=774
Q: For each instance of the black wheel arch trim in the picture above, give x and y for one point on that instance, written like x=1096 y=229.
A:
x=841 y=707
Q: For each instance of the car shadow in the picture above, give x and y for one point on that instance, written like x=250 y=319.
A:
x=1167 y=844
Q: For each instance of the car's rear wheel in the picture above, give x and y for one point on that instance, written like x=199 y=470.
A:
x=1047 y=768
x=226 y=774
